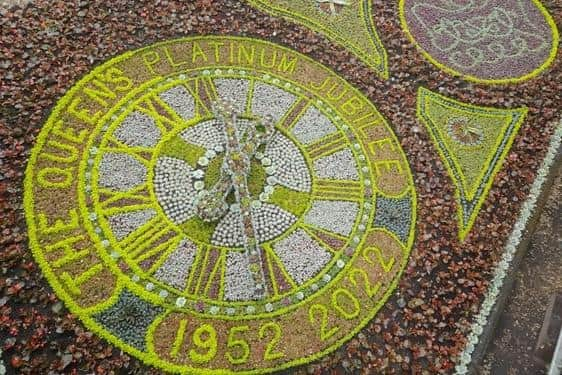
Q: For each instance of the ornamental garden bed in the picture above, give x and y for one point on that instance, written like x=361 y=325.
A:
x=250 y=187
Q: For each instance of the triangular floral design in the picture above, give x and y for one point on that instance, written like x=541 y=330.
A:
x=473 y=142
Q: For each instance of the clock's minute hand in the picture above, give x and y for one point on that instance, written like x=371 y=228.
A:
x=241 y=145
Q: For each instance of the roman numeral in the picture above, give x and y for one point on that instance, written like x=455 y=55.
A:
x=165 y=117
x=331 y=241
x=204 y=269
x=142 y=154
x=155 y=234
x=327 y=145
x=197 y=268
x=280 y=277
x=161 y=248
x=293 y=114
x=215 y=280
x=111 y=199
x=204 y=92
x=337 y=190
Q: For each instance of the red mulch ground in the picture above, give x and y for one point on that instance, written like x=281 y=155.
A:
x=47 y=47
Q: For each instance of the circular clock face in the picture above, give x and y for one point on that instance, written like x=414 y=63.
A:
x=320 y=220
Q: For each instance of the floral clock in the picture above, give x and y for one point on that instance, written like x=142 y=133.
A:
x=220 y=205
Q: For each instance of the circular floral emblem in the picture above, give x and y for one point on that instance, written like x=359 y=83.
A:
x=219 y=205
x=493 y=41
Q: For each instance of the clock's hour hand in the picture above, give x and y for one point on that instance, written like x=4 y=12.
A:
x=211 y=204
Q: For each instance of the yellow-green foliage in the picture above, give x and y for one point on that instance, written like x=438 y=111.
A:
x=472 y=167
x=352 y=27
x=199 y=230
x=179 y=149
x=293 y=201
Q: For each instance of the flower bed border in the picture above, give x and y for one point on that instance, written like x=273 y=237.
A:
x=486 y=320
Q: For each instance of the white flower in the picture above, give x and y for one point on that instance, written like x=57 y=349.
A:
x=198 y=173
x=256 y=204
x=461 y=369
x=203 y=161
x=199 y=185
x=214 y=310
x=180 y=302
x=478 y=329
x=163 y=293
x=263 y=197
x=230 y=311
x=266 y=162
x=250 y=309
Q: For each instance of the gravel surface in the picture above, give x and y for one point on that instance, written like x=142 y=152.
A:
x=6 y=4
x=49 y=46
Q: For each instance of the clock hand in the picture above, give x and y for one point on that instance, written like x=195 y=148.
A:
x=240 y=147
x=211 y=204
